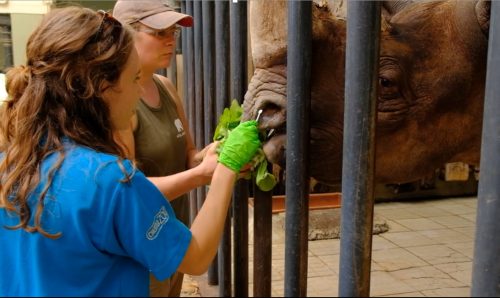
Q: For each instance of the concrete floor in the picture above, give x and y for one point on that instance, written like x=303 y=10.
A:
x=427 y=251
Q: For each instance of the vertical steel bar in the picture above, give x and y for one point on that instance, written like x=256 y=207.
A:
x=188 y=58
x=222 y=56
x=262 y=242
x=208 y=70
x=183 y=40
x=297 y=127
x=188 y=34
x=486 y=268
x=238 y=63
x=221 y=101
x=363 y=34
x=208 y=96
x=240 y=230
x=198 y=86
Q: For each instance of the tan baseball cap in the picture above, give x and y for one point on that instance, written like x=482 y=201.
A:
x=155 y=14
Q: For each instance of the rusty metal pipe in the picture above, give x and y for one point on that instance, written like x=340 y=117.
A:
x=486 y=264
x=361 y=79
x=221 y=101
x=238 y=63
x=297 y=152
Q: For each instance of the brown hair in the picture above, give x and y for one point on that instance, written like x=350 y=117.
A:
x=71 y=56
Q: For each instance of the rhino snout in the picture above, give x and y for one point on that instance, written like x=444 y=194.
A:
x=273 y=121
x=267 y=93
x=273 y=115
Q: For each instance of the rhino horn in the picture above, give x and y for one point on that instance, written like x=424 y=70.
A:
x=483 y=15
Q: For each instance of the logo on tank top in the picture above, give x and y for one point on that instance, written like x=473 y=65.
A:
x=159 y=221
x=180 y=128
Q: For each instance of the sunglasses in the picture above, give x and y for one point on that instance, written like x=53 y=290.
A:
x=170 y=32
x=106 y=17
x=107 y=34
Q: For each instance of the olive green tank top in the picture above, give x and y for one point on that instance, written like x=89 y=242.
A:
x=160 y=143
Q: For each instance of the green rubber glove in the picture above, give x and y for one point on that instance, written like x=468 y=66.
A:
x=240 y=146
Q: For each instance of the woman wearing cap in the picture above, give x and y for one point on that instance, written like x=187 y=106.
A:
x=164 y=148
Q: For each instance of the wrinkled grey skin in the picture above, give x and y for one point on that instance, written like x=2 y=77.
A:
x=431 y=85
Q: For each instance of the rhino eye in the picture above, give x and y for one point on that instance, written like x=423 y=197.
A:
x=385 y=82
x=388 y=89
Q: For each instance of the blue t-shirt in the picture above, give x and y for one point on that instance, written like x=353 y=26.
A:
x=113 y=233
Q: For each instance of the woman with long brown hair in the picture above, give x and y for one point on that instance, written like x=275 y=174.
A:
x=76 y=217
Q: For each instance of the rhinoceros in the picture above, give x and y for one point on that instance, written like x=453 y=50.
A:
x=432 y=72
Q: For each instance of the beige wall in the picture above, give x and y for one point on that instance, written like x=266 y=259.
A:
x=22 y=26
x=25 y=16
x=25 y=6
x=94 y=4
x=3 y=93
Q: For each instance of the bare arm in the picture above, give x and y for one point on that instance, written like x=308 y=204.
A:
x=173 y=186
x=239 y=148
x=208 y=224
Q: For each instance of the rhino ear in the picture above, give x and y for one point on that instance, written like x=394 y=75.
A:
x=391 y=7
x=483 y=15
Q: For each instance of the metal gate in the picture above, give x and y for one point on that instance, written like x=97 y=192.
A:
x=215 y=71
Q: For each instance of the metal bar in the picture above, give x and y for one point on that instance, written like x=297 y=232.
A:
x=238 y=56
x=224 y=259
x=183 y=41
x=189 y=70
x=208 y=70
x=221 y=101
x=240 y=230
x=486 y=264
x=188 y=62
x=262 y=239
x=221 y=56
x=363 y=34
x=297 y=127
x=198 y=87
x=208 y=97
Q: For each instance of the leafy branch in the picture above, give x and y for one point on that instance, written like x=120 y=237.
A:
x=229 y=119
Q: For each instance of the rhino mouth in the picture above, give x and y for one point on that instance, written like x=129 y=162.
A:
x=275 y=145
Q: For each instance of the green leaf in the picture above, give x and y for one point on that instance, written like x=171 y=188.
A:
x=229 y=119
x=235 y=112
x=264 y=180
x=258 y=158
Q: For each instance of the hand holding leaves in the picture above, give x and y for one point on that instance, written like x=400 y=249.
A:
x=228 y=121
x=240 y=146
